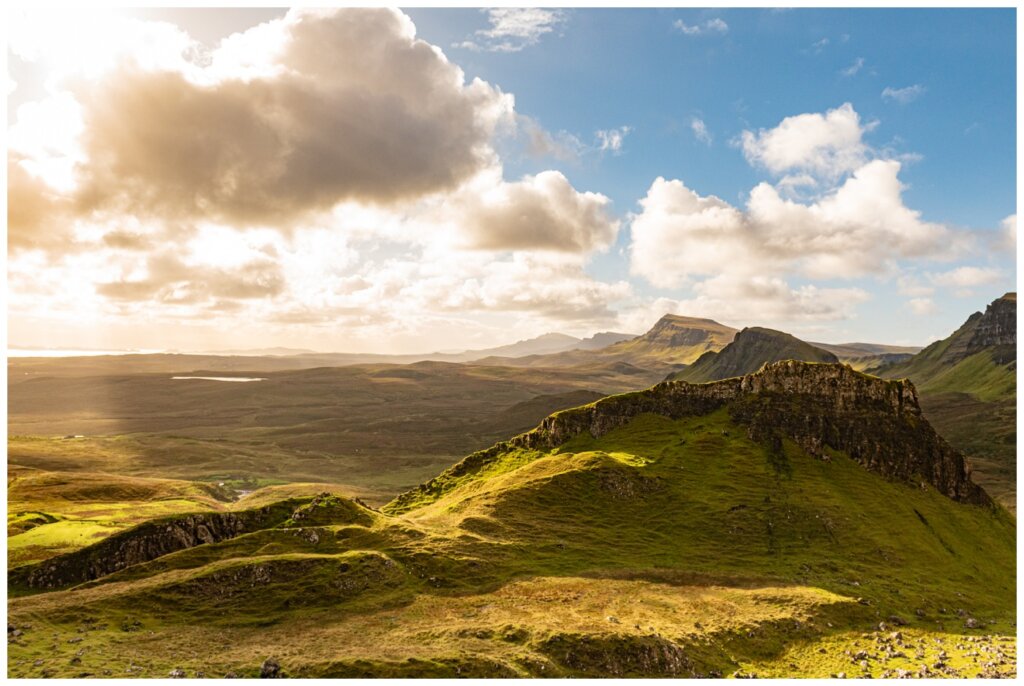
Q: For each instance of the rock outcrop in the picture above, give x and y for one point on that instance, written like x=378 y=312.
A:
x=996 y=328
x=148 y=541
x=821 y=407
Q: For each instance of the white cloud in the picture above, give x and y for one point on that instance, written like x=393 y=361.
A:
x=1009 y=231
x=357 y=108
x=903 y=95
x=513 y=29
x=966 y=277
x=542 y=212
x=711 y=26
x=680 y=234
x=861 y=228
x=908 y=284
x=610 y=140
x=852 y=70
x=819 y=45
x=826 y=145
x=752 y=301
x=700 y=130
x=540 y=142
x=922 y=306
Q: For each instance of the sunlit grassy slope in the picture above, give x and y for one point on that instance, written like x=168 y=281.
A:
x=663 y=548
x=968 y=387
x=53 y=513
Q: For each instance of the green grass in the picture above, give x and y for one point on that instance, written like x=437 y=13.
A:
x=977 y=375
x=623 y=555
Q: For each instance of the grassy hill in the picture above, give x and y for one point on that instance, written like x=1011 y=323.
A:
x=750 y=349
x=54 y=513
x=968 y=385
x=802 y=521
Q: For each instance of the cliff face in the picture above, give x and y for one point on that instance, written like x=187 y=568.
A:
x=877 y=422
x=146 y=542
x=996 y=328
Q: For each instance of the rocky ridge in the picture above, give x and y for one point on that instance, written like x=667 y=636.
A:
x=821 y=407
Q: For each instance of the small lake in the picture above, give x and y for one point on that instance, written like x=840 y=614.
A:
x=237 y=379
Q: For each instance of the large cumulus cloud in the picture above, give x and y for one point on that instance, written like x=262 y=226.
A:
x=288 y=118
x=347 y=105
x=861 y=228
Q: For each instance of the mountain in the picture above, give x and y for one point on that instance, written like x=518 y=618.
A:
x=546 y=343
x=752 y=348
x=603 y=340
x=869 y=357
x=673 y=341
x=801 y=521
x=852 y=350
x=260 y=352
x=968 y=385
x=979 y=358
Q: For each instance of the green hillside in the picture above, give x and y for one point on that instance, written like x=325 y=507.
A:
x=752 y=348
x=968 y=386
x=801 y=521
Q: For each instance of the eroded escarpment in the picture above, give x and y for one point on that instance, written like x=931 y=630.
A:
x=877 y=422
x=167 y=535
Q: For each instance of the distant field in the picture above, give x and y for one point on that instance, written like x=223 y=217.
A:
x=381 y=427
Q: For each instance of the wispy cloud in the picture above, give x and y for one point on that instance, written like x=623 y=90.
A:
x=709 y=27
x=700 y=130
x=852 y=70
x=903 y=95
x=512 y=29
x=818 y=46
x=610 y=140
x=922 y=306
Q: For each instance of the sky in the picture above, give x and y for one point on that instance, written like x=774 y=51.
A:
x=376 y=180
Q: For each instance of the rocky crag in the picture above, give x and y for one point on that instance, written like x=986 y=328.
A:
x=160 y=537
x=821 y=407
x=996 y=328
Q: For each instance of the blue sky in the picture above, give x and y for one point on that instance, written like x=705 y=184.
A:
x=716 y=102
x=607 y=68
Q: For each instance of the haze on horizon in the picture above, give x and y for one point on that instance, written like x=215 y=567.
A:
x=369 y=180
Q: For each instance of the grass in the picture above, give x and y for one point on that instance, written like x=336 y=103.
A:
x=978 y=375
x=673 y=548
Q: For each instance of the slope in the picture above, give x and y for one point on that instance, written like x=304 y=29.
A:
x=775 y=524
x=752 y=348
x=968 y=385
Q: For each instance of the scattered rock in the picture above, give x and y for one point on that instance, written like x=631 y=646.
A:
x=177 y=673
x=270 y=669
